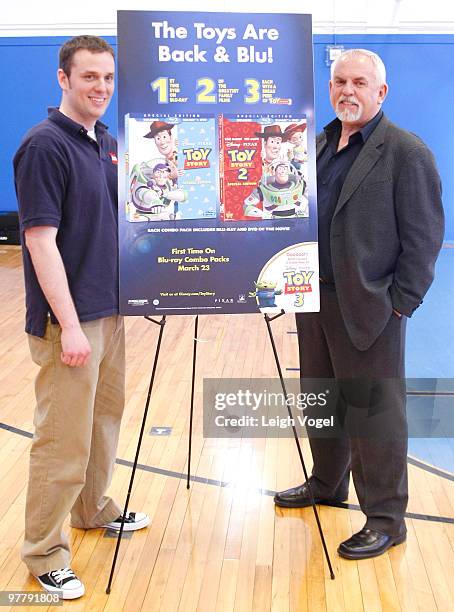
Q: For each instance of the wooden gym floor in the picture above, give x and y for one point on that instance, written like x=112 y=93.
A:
x=222 y=545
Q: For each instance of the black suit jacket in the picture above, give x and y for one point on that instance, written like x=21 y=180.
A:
x=386 y=231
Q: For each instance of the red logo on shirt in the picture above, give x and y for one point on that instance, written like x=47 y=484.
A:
x=113 y=157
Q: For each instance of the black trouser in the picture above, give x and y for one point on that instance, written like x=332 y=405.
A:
x=378 y=462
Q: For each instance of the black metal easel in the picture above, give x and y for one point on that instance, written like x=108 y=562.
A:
x=268 y=321
x=161 y=323
x=194 y=357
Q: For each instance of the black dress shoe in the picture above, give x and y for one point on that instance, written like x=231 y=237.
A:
x=368 y=543
x=299 y=497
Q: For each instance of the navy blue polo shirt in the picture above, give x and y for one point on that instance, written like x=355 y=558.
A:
x=66 y=180
x=332 y=169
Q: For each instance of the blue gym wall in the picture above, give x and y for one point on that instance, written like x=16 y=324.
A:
x=420 y=75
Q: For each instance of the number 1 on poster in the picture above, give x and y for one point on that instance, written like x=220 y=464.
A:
x=161 y=85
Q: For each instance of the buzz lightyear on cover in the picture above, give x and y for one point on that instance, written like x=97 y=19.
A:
x=282 y=190
x=264 y=172
x=170 y=169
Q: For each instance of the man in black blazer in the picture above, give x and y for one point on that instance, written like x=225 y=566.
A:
x=380 y=231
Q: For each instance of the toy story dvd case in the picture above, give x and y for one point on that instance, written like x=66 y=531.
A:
x=263 y=167
x=171 y=167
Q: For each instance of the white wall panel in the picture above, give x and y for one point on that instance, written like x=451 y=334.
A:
x=50 y=18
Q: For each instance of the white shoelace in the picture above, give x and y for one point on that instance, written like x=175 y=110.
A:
x=60 y=575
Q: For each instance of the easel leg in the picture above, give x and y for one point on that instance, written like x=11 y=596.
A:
x=194 y=357
x=161 y=323
x=268 y=320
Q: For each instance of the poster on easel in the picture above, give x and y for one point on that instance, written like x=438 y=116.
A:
x=217 y=187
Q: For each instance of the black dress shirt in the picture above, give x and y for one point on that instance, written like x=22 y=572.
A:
x=332 y=169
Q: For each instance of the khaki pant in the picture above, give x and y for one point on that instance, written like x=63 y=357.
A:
x=77 y=423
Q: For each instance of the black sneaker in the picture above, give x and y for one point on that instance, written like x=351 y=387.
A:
x=64 y=582
x=133 y=522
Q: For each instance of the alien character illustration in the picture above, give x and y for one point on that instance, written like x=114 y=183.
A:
x=279 y=195
x=265 y=292
x=153 y=192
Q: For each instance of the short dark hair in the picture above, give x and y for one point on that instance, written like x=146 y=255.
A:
x=91 y=43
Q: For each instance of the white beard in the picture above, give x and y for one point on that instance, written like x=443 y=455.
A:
x=347 y=114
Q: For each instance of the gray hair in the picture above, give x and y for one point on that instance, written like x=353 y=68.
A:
x=374 y=58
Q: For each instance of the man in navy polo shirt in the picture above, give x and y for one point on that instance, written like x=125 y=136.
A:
x=66 y=183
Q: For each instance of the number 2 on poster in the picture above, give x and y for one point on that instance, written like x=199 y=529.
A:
x=205 y=95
